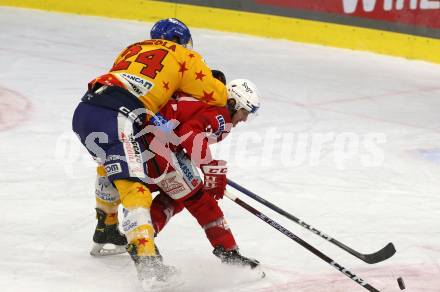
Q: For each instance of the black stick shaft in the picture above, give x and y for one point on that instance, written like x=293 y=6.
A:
x=373 y=258
x=303 y=243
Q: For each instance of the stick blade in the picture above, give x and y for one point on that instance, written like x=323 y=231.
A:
x=385 y=253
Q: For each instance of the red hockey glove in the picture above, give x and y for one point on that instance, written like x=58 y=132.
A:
x=215 y=178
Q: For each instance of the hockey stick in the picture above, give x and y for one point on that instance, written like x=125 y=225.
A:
x=385 y=253
x=303 y=243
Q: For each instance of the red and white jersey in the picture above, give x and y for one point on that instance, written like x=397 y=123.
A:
x=199 y=125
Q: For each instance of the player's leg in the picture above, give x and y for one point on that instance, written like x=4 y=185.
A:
x=96 y=127
x=210 y=217
x=111 y=138
x=107 y=231
x=136 y=199
x=176 y=180
x=162 y=209
x=125 y=166
x=208 y=214
x=182 y=185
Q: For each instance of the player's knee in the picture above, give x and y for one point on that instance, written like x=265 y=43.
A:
x=162 y=209
x=133 y=194
x=163 y=201
x=100 y=170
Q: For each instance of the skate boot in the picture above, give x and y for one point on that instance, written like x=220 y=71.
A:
x=152 y=272
x=233 y=257
x=106 y=235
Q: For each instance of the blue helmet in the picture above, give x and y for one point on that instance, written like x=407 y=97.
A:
x=172 y=29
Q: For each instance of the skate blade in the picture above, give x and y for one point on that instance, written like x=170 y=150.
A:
x=154 y=285
x=173 y=282
x=260 y=273
x=257 y=271
x=99 y=250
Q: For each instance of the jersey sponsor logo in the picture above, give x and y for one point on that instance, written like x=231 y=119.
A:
x=132 y=149
x=350 y=6
x=171 y=186
x=136 y=89
x=135 y=84
x=138 y=80
x=113 y=168
x=221 y=125
x=175 y=185
x=187 y=170
x=134 y=158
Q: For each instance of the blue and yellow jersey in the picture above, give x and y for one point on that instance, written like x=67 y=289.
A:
x=153 y=70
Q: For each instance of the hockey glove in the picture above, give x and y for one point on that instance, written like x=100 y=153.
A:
x=215 y=178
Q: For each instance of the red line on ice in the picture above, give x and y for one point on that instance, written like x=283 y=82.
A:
x=14 y=109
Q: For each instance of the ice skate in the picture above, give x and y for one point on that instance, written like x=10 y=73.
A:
x=153 y=274
x=233 y=257
x=107 y=238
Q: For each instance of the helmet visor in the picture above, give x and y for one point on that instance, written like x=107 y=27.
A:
x=249 y=107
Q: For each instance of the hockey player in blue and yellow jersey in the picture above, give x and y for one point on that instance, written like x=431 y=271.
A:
x=112 y=114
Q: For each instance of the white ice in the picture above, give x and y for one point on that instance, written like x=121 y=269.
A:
x=374 y=180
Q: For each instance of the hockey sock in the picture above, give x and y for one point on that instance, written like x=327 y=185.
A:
x=209 y=215
x=136 y=199
x=107 y=197
x=219 y=234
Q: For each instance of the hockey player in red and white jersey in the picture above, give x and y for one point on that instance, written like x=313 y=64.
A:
x=181 y=185
x=177 y=179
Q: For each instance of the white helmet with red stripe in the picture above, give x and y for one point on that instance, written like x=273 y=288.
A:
x=245 y=94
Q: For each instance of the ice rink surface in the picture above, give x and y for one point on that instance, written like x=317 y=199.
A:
x=346 y=141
